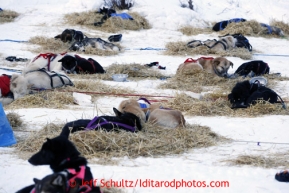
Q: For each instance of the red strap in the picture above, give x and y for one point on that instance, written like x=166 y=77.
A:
x=190 y=60
x=193 y=60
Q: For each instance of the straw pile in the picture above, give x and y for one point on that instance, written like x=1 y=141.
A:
x=217 y=104
x=48 y=45
x=181 y=48
x=273 y=161
x=134 y=70
x=111 y=25
x=45 y=99
x=97 y=87
x=153 y=141
x=190 y=31
x=251 y=27
x=8 y=16
x=198 y=81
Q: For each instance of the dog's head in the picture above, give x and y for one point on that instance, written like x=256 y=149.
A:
x=66 y=35
x=68 y=62
x=241 y=91
x=19 y=86
x=129 y=117
x=54 y=151
x=56 y=182
x=221 y=66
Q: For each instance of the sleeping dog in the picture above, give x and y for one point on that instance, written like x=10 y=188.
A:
x=69 y=35
x=76 y=64
x=94 y=43
x=256 y=67
x=245 y=94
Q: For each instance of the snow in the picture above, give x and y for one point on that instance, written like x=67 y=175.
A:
x=166 y=16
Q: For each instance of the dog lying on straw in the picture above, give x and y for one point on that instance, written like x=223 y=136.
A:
x=153 y=113
x=97 y=43
x=223 y=44
x=218 y=66
x=21 y=85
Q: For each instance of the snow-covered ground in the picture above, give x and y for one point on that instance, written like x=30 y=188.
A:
x=44 y=18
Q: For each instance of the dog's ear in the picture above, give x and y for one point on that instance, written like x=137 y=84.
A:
x=116 y=112
x=58 y=36
x=231 y=64
x=59 y=180
x=216 y=62
x=36 y=181
x=14 y=77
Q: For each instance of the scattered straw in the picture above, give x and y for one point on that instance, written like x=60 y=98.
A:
x=190 y=31
x=274 y=161
x=181 y=48
x=14 y=120
x=48 y=45
x=153 y=141
x=111 y=25
x=216 y=104
x=8 y=16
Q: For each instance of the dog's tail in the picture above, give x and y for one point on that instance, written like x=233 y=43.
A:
x=282 y=102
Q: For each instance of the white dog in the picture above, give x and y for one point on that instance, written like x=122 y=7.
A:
x=49 y=61
x=21 y=85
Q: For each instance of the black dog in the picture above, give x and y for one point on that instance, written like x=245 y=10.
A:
x=124 y=121
x=223 y=24
x=69 y=35
x=245 y=94
x=76 y=64
x=258 y=67
x=62 y=156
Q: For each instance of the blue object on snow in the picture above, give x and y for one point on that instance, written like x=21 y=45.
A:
x=122 y=15
x=6 y=133
x=1 y=9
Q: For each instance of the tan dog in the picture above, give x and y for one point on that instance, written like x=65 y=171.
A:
x=167 y=118
x=218 y=66
x=164 y=117
x=224 y=43
x=156 y=114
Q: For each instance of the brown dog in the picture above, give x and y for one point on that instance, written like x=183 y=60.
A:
x=159 y=115
x=156 y=114
x=167 y=118
x=218 y=66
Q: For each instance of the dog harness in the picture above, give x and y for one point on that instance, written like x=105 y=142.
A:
x=53 y=75
x=48 y=56
x=189 y=60
x=5 y=84
x=91 y=125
